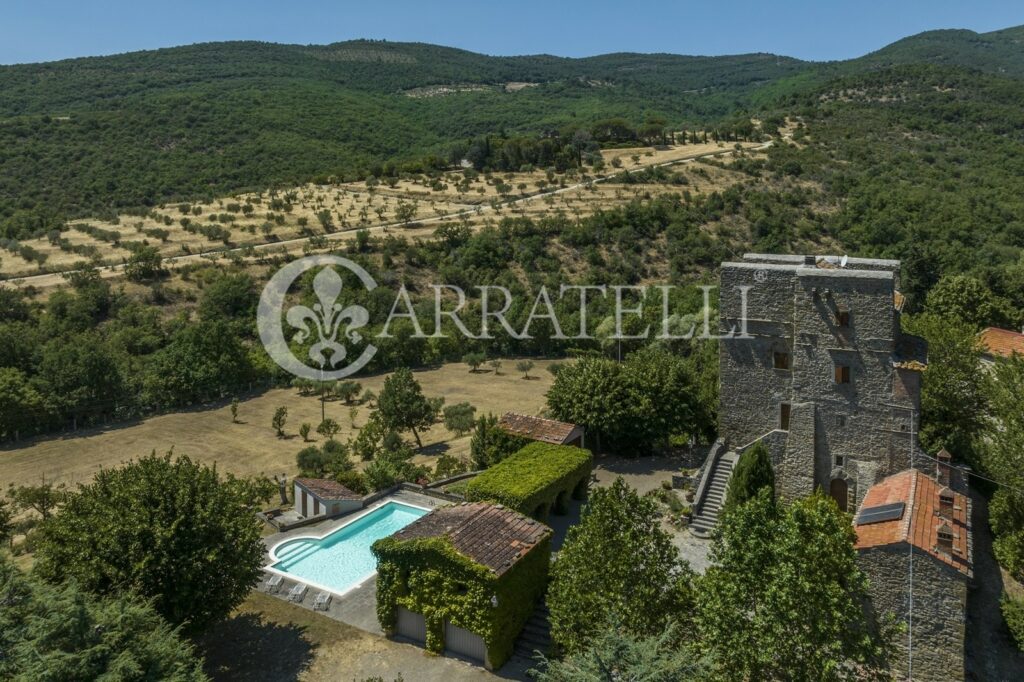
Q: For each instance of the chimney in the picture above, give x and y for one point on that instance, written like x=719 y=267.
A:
x=946 y=503
x=945 y=538
x=943 y=466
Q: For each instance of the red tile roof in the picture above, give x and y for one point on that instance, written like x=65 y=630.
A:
x=920 y=521
x=326 y=489
x=1002 y=342
x=537 y=428
x=489 y=534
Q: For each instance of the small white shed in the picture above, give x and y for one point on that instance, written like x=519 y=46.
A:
x=324 y=497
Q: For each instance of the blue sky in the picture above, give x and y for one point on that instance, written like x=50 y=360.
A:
x=43 y=30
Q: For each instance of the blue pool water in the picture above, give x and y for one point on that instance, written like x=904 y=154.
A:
x=343 y=559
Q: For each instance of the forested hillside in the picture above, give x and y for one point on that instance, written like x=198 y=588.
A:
x=85 y=136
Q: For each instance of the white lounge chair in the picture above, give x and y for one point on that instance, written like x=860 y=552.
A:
x=322 y=601
x=297 y=593
x=274 y=584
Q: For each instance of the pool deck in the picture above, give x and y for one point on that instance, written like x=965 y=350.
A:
x=357 y=607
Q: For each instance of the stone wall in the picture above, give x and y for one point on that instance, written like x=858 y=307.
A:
x=939 y=598
x=860 y=431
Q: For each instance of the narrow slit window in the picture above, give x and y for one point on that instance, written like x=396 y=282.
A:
x=843 y=318
x=842 y=374
x=784 y=410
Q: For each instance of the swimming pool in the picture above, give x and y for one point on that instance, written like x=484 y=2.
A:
x=341 y=560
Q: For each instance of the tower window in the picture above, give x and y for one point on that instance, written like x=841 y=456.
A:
x=780 y=360
x=842 y=374
x=784 y=410
x=843 y=318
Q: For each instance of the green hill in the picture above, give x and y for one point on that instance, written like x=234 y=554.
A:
x=86 y=136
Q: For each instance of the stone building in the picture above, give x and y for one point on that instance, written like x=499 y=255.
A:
x=914 y=544
x=819 y=369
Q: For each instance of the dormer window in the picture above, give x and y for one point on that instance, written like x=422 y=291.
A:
x=945 y=538
x=946 y=503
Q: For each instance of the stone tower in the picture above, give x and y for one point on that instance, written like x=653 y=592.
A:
x=823 y=375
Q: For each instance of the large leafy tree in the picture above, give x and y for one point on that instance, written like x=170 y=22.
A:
x=169 y=530
x=22 y=407
x=630 y=407
x=402 y=405
x=784 y=597
x=59 y=633
x=202 y=361
x=596 y=393
x=753 y=472
x=968 y=300
x=617 y=563
x=1002 y=455
x=953 y=398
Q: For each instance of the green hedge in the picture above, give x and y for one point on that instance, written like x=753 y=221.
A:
x=535 y=480
x=428 y=576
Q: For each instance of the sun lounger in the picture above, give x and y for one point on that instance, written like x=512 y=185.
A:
x=297 y=593
x=322 y=601
x=274 y=584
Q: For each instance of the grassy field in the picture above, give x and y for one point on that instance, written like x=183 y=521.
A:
x=250 y=446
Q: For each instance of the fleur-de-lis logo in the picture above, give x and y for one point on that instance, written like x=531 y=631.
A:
x=324 y=321
x=327 y=317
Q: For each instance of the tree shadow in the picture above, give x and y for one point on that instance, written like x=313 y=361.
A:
x=435 y=449
x=245 y=647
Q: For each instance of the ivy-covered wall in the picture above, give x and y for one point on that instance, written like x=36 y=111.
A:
x=536 y=480
x=428 y=576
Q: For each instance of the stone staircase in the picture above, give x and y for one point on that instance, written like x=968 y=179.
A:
x=536 y=634
x=709 y=506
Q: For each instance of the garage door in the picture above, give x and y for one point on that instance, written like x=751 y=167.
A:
x=464 y=643
x=411 y=625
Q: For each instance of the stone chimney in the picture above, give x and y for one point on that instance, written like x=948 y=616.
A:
x=943 y=466
x=946 y=503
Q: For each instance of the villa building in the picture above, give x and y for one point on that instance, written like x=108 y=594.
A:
x=823 y=374
x=464 y=579
x=914 y=543
x=998 y=344
x=541 y=429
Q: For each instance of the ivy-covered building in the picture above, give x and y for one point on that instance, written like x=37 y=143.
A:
x=463 y=579
x=536 y=480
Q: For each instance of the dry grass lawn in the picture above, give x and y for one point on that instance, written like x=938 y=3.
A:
x=251 y=447
x=270 y=640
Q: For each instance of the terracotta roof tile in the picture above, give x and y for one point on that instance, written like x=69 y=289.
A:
x=489 y=534
x=920 y=521
x=1002 y=342
x=537 y=428
x=326 y=489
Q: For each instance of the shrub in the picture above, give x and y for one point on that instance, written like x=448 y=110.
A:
x=753 y=472
x=1013 y=614
x=490 y=443
x=535 y=480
